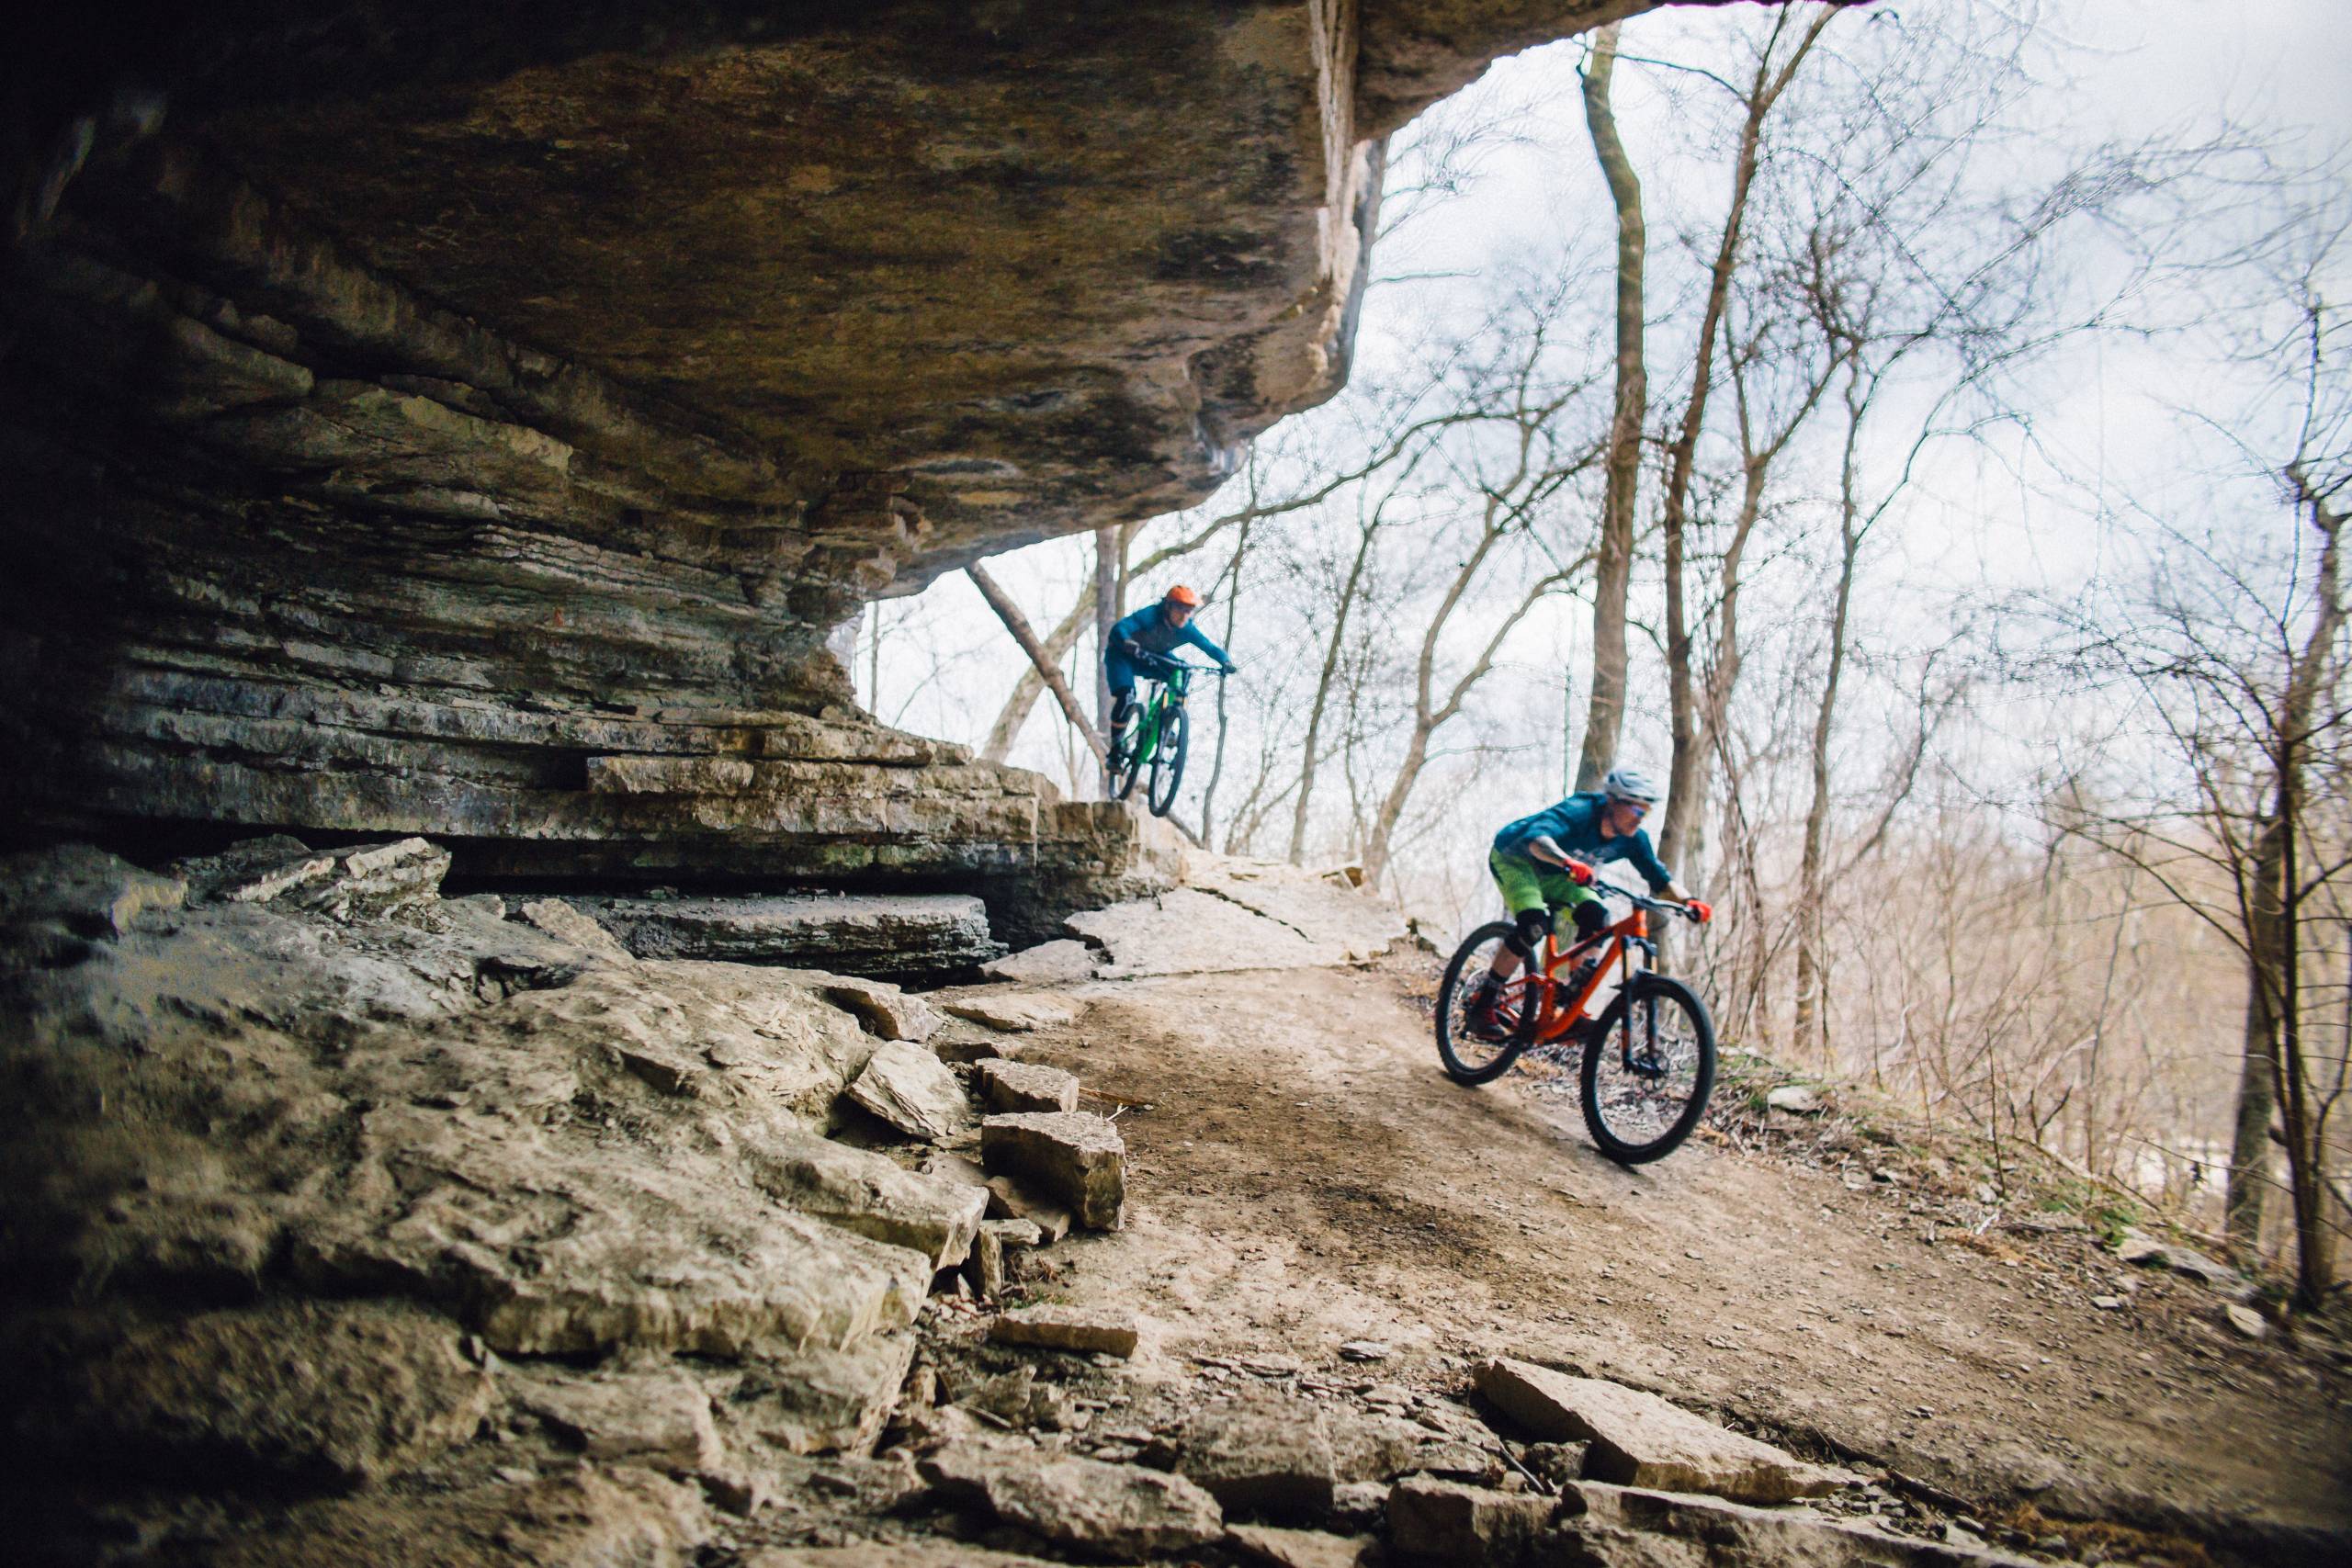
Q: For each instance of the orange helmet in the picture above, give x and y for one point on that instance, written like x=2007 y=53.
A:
x=1180 y=595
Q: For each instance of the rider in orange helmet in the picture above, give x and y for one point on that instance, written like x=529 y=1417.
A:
x=1141 y=643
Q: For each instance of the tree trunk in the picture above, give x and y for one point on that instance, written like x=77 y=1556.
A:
x=2257 y=1077
x=1296 y=852
x=1108 y=549
x=1232 y=614
x=1049 y=669
x=1605 y=710
x=1010 y=717
x=1810 y=1025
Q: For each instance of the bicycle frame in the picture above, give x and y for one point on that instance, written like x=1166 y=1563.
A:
x=1558 y=1013
x=1172 y=685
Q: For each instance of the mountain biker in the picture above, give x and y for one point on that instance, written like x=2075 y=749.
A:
x=1543 y=863
x=1150 y=634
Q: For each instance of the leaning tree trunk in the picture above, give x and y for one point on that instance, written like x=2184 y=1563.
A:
x=2257 y=1099
x=1613 y=566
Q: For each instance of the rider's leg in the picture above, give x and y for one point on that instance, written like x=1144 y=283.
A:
x=1523 y=885
x=1119 y=670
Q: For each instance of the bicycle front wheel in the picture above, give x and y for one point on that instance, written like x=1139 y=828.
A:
x=1124 y=768
x=1649 y=1070
x=1481 y=1031
x=1167 y=762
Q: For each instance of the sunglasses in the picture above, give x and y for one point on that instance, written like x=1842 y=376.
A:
x=1635 y=807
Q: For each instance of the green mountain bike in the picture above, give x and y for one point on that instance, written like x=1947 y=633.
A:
x=1161 y=733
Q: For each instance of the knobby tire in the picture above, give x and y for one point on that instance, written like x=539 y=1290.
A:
x=1167 y=760
x=1463 y=1056
x=1603 y=1075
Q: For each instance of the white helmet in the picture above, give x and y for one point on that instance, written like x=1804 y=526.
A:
x=1628 y=784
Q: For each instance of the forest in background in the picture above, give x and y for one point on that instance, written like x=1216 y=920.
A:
x=1822 y=410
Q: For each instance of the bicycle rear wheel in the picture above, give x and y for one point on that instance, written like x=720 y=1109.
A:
x=1168 y=761
x=1477 y=1049
x=1648 y=1070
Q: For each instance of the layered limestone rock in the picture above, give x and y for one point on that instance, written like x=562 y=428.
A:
x=307 y=1182
x=436 y=421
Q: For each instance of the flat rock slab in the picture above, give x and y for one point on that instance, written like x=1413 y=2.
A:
x=2137 y=1247
x=1328 y=908
x=1186 y=932
x=890 y=937
x=1270 y=1456
x=1463 y=1527
x=1111 y=1510
x=567 y=924
x=1061 y=962
x=1016 y=1012
x=893 y=1554
x=1612 y=1523
x=1639 y=1439
x=1297 y=1549
x=937 y=1215
x=1798 y=1099
x=914 y=1091
x=1013 y=1086
x=1106 y=1330
x=1072 y=1159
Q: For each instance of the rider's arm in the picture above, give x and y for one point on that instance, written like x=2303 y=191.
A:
x=1546 y=848
x=1200 y=639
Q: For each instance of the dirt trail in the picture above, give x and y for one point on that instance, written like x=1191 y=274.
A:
x=1302 y=1174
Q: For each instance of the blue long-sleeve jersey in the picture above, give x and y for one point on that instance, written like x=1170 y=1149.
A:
x=1575 y=826
x=1150 y=630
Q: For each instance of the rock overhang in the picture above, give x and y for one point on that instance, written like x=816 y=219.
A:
x=442 y=399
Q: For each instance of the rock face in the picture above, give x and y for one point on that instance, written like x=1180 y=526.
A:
x=456 y=424
x=392 y=1180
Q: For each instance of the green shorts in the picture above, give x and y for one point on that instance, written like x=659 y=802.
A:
x=1531 y=884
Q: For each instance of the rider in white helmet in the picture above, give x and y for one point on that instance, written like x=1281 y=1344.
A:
x=1541 y=864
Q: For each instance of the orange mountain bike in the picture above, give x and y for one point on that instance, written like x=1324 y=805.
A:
x=1649 y=1059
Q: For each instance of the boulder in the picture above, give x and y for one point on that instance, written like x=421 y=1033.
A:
x=658 y=1418
x=249 y=871
x=866 y=1192
x=1798 y=1099
x=1297 y=1549
x=304 y=1395
x=812 y=1399
x=885 y=1010
x=1072 y=1158
x=1061 y=962
x=1603 y=1523
x=81 y=890
x=1463 y=1527
x=912 y=1090
x=1109 y=1510
x=1016 y=1012
x=371 y=880
x=1330 y=909
x=1022 y=1086
x=1639 y=1439
x=909 y=937
x=1268 y=1455
x=1107 y=1330
x=1012 y=1202
x=565 y=923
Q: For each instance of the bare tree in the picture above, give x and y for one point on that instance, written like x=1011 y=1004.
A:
x=1612 y=572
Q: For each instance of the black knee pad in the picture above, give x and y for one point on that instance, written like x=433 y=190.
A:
x=1533 y=925
x=1592 y=919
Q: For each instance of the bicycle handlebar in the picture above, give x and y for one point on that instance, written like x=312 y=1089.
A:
x=1662 y=906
